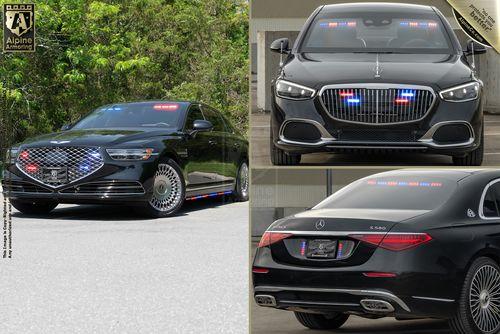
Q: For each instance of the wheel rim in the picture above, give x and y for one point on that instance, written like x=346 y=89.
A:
x=243 y=180
x=167 y=188
x=485 y=299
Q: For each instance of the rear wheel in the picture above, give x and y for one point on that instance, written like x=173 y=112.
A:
x=474 y=158
x=242 y=183
x=479 y=305
x=169 y=191
x=280 y=157
x=321 y=321
x=33 y=207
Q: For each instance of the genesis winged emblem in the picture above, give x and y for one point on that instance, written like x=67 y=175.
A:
x=377 y=68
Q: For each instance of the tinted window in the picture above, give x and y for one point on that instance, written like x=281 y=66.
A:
x=193 y=115
x=376 y=31
x=491 y=202
x=399 y=193
x=144 y=114
x=215 y=118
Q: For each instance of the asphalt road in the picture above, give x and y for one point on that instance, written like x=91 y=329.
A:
x=266 y=320
x=93 y=269
x=259 y=132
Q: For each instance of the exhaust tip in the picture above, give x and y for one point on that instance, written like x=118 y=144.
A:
x=265 y=300
x=377 y=306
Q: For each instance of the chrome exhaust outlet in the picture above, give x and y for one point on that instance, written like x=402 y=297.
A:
x=265 y=300
x=376 y=306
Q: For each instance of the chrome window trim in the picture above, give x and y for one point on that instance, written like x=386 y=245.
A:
x=481 y=202
x=376 y=86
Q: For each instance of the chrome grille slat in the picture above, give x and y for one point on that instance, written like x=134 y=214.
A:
x=377 y=104
x=80 y=162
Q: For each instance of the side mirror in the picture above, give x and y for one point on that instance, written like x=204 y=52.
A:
x=66 y=127
x=475 y=47
x=201 y=125
x=280 y=46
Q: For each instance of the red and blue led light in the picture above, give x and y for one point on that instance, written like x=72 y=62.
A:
x=404 y=183
x=303 y=248
x=338 y=24
x=211 y=195
x=415 y=24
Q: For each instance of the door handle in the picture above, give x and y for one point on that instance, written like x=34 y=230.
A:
x=212 y=142
x=236 y=145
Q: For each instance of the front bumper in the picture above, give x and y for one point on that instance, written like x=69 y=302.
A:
x=115 y=182
x=333 y=135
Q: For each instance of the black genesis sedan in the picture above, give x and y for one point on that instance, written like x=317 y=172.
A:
x=405 y=244
x=383 y=76
x=152 y=155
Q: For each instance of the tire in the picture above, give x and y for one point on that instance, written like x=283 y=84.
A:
x=33 y=207
x=280 y=157
x=241 y=190
x=321 y=321
x=474 y=300
x=474 y=158
x=169 y=191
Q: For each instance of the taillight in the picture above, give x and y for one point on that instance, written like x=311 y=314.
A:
x=394 y=241
x=270 y=238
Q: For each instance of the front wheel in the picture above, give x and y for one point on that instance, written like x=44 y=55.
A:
x=33 y=207
x=321 y=321
x=474 y=158
x=280 y=157
x=242 y=183
x=478 y=309
x=169 y=191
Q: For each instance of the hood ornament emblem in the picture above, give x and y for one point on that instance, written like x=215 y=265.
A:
x=320 y=224
x=377 y=68
x=59 y=142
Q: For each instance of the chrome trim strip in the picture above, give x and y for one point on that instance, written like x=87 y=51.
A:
x=338 y=233
x=354 y=292
x=481 y=202
x=434 y=299
x=317 y=303
x=377 y=86
x=427 y=137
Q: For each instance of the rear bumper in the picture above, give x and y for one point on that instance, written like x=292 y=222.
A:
x=355 y=301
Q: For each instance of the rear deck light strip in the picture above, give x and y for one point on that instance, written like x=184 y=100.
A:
x=394 y=241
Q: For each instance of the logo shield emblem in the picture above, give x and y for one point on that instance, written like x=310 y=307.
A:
x=18 y=27
x=320 y=224
x=53 y=173
x=19 y=19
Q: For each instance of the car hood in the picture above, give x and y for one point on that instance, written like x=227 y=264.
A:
x=318 y=69
x=372 y=220
x=97 y=137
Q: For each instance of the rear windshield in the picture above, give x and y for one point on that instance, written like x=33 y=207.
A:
x=131 y=115
x=394 y=193
x=377 y=32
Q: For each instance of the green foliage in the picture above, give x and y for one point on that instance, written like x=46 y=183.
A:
x=90 y=53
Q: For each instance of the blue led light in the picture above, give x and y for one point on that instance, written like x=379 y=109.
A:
x=407 y=94
x=353 y=100
x=84 y=168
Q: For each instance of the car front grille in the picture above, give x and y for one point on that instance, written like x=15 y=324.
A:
x=106 y=188
x=58 y=166
x=377 y=105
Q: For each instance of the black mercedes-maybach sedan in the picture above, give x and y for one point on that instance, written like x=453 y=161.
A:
x=407 y=244
x=381 y=76
x=152 y=155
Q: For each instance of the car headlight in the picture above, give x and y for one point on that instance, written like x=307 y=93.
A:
x=130 y=153
x=289 y=90
x=11 y=155
x=461 y=93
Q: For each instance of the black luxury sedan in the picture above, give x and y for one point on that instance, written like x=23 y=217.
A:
x=377 y=76
x=153 y=155
x=407 y=244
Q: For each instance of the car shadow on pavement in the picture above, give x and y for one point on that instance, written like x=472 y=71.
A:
x=120 y=212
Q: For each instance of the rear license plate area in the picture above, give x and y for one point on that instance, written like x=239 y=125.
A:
x=321 y=249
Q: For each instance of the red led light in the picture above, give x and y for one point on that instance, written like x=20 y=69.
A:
x=372 y=182
x=346 y=94
x=166 y=107
x=332 y=24
x=413 y=184
x=351 y=24
x=394 y=241
x=270 y=238
x=31 y=168
x=24 y=155
x=379 y=275
x=413 y=24
x=436 y=184
x=392 y=183
x=256 y=270
x=402 y=101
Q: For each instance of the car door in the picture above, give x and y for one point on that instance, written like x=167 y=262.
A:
x=199 y=156
x=223 y=172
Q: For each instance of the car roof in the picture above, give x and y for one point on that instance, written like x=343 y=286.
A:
x=450 y=174
x=376 y=7
x=153 y=101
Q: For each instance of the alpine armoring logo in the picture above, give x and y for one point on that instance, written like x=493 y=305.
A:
x=19 y=27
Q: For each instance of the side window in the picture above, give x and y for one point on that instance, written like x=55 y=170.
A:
x=193 y=115
x=229 y=126
x=215 y=118
x=491 y=204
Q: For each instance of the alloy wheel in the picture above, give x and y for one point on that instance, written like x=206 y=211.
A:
x=485 y=299
x=167 y=189
x=243 y=180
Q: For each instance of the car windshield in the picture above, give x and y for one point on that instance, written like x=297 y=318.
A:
x=377 y=32
x=392 y=193
x=132 y=115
